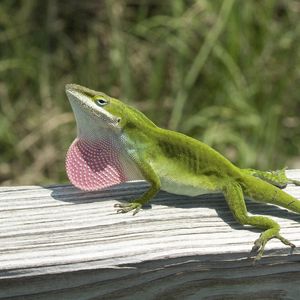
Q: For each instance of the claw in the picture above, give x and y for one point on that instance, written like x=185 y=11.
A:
x=258 y=249
x=125 y=208
x=118 y=205
x=292 y=248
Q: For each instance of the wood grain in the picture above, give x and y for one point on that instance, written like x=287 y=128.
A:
x=57 y=242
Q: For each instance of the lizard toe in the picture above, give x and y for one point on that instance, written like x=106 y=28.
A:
x=125 y=208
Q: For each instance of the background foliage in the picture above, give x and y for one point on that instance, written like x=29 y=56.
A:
x=226 y=72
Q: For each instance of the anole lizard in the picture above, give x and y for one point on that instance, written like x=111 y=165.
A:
x=117 y=143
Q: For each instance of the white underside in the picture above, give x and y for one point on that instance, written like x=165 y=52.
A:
x=183 y=188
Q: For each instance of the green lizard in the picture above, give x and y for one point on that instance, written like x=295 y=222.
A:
x=117 y=143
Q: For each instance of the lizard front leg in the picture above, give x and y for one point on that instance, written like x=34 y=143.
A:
x=149 y=175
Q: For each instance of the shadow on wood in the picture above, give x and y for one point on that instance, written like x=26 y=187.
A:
x=61 y=243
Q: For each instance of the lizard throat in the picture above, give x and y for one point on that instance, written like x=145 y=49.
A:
x=94 y=165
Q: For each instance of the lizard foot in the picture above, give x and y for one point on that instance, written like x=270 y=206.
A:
x=295 y=182
x=124 y=208
x=258 y=249
x=260 y=243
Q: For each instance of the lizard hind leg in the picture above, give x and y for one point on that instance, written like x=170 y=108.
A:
x=235 y=199
x=277 y=177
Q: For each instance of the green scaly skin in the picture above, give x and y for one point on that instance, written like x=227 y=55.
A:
x=277 y=178
x=179 y=164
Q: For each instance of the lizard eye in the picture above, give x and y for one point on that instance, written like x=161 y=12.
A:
x=101 y=101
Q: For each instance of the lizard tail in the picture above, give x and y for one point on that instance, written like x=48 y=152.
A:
x=262 y=191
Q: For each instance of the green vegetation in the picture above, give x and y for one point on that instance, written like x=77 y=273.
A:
x=226 y=72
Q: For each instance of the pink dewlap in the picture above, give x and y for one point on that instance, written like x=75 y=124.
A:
x=93 y=165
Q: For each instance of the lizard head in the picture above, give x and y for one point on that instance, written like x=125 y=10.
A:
x=94 y=111
x=97 y=113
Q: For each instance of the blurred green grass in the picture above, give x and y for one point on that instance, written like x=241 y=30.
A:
x=226 y=72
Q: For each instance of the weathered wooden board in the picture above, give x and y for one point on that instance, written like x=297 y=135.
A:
x=60 y=243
